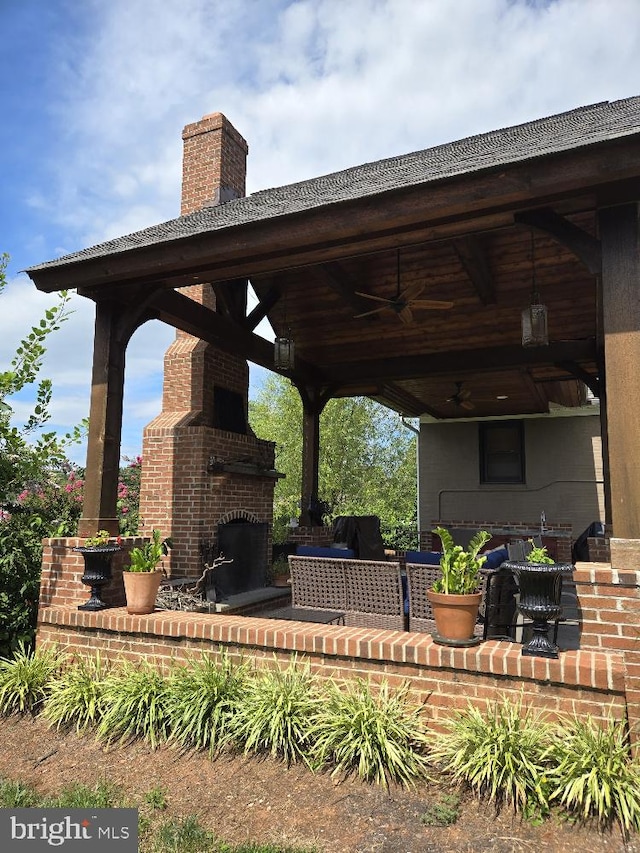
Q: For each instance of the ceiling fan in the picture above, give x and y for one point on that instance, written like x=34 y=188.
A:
x=461 y=397
x=403 y=301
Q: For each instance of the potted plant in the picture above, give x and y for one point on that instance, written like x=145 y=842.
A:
x=540 y=580
x=280 y=572
x=142 y=576
x=97 y=552
x=455 y=597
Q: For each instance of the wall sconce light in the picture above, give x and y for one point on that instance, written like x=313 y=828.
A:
x=535 y=331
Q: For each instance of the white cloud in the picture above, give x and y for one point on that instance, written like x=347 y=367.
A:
x=313 y=85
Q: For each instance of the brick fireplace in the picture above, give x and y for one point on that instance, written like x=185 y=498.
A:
x=202 y=464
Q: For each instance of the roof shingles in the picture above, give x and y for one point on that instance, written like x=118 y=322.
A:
x=563 y=132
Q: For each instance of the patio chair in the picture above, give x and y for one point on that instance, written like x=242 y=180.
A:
x=374 y=594
x=317 y=583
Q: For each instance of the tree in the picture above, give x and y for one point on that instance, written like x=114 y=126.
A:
x=367 y=457
x=33 y=470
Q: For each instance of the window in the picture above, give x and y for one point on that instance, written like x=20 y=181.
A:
x=502 y=452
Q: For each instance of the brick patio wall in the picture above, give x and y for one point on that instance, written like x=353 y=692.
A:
x=601 y=678
x=557 y=536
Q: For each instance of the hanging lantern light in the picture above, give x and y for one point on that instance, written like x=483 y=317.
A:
x=535 y=331
x=284 y=352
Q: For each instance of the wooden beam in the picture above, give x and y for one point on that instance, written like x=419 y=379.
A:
x=231 y=298
x=189 y=316
x=583 y=245
x=619 y=229
x=333 y=276
x=535 y=390
x=407 y=403
x=263 y=307
x=578 y=372
x=473 y=258
x=456 y=361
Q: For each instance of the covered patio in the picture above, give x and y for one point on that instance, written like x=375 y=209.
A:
x=395 y=280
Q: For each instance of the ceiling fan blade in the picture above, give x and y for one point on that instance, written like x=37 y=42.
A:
x=376 y=298
x=466 y=404
x=405 y=315
x=434 y=304
x=374 y=311
x=412 y=292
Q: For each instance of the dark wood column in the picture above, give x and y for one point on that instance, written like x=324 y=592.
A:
x=112 y=332
x=313 y=402
x=620 y=236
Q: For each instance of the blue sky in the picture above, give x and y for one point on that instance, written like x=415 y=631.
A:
x=94 y=95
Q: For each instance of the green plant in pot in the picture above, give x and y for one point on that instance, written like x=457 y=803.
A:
x=455 y=597
x=143 y=575
x=280 y=572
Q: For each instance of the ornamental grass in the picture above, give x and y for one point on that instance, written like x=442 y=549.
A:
x=276 y=713
x=594 y=775
x=202 y=700
x=502 y=754
x=372 y=731
x=25 y=679
x=75 y=694
x=134 y=700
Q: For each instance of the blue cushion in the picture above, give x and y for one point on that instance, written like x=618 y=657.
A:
x=496 y=558
x=429 y=558
x=312 y=551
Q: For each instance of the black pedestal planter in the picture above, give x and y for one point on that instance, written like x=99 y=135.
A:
x=540 y=600
x=97 y=573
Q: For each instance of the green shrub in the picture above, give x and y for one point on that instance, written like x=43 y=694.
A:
x=134 y=704
x=25 y=679
x=276 y=712
x=594 y=775
x=16 y=795
x=443 y=812
x=182 y=836
x=201 y=701
x=75 y=694
x=104 y=795
x=501 y=754
x=374 y=732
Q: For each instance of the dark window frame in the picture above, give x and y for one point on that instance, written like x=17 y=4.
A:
x=486 y=475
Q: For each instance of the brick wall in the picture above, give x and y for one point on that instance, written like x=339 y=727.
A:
x=557 y=537
x=602 y=675
x=587 y=682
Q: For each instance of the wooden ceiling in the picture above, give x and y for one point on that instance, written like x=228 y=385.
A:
x=407 y=362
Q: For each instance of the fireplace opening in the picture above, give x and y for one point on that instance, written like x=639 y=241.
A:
x=246 y=544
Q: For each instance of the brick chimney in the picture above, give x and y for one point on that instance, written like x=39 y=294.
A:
x=179 y=495
x=214 y=163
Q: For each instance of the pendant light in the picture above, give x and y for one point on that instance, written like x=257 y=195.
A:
x=534 y=318
x=284 y=348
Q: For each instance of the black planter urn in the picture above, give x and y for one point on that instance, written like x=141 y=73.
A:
x=97 y=573
x=540 y=601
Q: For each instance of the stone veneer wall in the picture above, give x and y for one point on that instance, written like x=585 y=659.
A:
x=601 y=678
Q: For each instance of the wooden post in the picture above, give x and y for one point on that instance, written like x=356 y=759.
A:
x=313 y=402
x=620 y=236
x=105 y=422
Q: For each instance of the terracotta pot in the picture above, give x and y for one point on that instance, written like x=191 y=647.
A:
x=141 y=589
x=455 y=617
x=281 y=580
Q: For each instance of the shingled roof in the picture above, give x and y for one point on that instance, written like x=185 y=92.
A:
x=555 y=134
